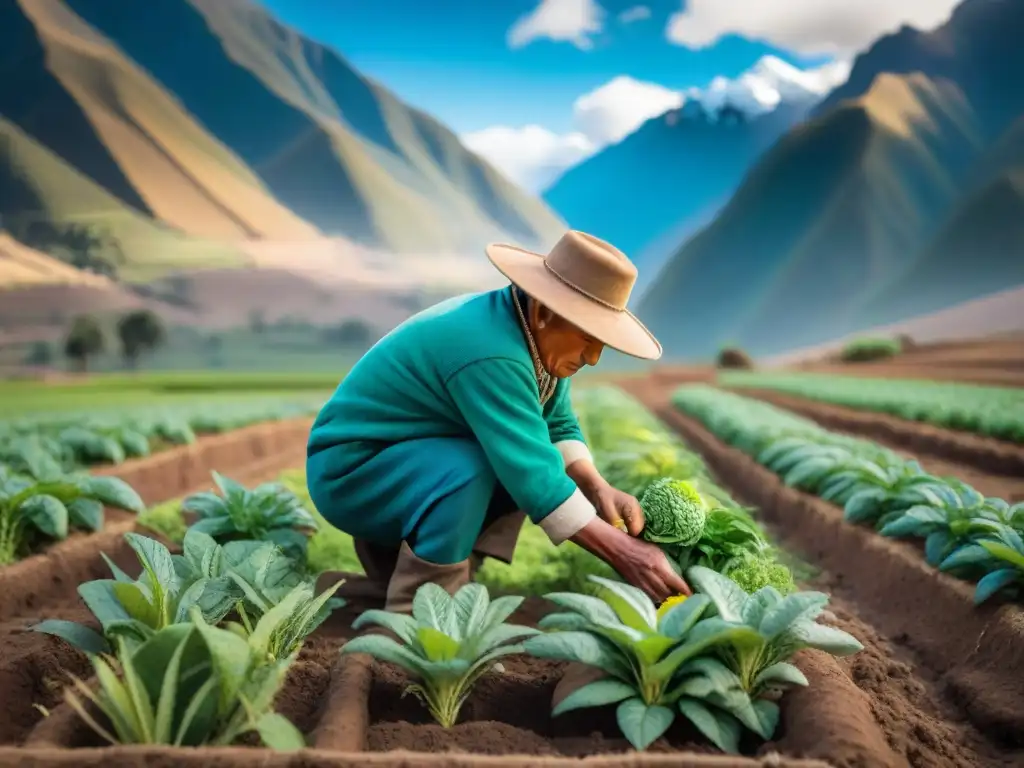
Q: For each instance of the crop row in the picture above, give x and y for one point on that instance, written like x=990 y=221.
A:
x=990 y=411
x=195 y=649
x=964 y=533
x=45 y=445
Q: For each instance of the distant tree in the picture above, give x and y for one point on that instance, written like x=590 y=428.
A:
x=84 y=340
x=83 y=246
x=257 y=321
x=139 y=331
x=352 y=333
x=733 y=357
x=213 y=344
x=40 y=353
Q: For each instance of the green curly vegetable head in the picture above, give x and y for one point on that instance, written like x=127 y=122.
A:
x=754 y=571
x=674 y=513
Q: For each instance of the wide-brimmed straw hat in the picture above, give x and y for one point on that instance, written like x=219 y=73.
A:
x=586 y=281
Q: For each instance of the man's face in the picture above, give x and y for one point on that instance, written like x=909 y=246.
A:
x=564 y=349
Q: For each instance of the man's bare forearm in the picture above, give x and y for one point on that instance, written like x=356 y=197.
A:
x=586 y=476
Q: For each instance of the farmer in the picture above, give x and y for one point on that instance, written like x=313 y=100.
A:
x=458 y=424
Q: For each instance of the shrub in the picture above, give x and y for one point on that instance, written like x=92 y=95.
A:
x=862 y=350
x=734 y=357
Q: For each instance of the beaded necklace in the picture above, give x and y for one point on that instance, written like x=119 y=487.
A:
x=546 y=383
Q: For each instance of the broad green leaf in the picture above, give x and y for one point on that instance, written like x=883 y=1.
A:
x=641 y=724
x=995 y=582
x=1003 y=552
x=828 y=639
x=46 y=513
x=592 y=608
x=470 y=604
x=385 y=649
x=499 y=610
x=136 y=605
x=596 y=694
x=114 y=492
x=100 y=598
x=720 y=728
x=728 y=597
x=82 y=637
x=576 y=646
x=229 y=655
x=781 y=673
x=794 y=608
x=437 y=646
x=278 y=733
x=432 y=607
x=402 y=625
x=85 y=513
x=632 y=606
x=680 y=618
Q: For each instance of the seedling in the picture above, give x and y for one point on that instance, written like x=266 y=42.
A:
x=447 y=644
x=656 y=666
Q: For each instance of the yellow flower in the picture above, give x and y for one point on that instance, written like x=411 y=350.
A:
x=669 y=603
x=621 y=525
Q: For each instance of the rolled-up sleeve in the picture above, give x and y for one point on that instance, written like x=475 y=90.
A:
x=497 y=397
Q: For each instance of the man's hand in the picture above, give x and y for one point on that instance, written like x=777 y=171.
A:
x=618 y=508
x=614 y=506
x=641 y=564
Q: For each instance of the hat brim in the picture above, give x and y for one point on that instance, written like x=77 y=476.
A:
x=620 y=330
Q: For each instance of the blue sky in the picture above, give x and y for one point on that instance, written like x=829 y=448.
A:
x=539 y=85
x=451 y=57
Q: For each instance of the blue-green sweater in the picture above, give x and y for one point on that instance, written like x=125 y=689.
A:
x=462 y=369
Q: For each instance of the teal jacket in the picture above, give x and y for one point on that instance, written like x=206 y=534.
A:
x=463 y=369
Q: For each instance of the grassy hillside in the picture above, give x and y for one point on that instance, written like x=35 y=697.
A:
x=836 y=224
x=174 y=123
x=334 y=147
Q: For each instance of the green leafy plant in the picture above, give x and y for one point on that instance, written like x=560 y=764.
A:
x=655 y=666
x=189 y=684
x=998 y=555
x=135 y=609
x=447 y=643
x=269 y=512
x=51 y=504
x=674 y=515
x=777 y=627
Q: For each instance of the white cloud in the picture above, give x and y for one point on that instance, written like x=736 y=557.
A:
x=572 y=21
x=636 y=13
x=809 y=27
x=531 y=156
x=610 y=113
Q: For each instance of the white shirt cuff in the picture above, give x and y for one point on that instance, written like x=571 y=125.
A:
x=566 y=520
x=573 y=450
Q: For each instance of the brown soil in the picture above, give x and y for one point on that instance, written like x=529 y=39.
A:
x=977 y=651
x=994 y=463
x=34 y=667
x=239 y=757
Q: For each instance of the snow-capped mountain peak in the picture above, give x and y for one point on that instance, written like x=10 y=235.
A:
x=767 y=84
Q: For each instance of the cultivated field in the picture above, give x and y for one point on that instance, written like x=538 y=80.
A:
x=898 y=500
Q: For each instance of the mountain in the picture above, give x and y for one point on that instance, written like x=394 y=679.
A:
x=650 y=191
x=209 y=121
x=872 y=211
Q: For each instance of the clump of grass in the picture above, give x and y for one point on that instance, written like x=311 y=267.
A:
x=863 y=350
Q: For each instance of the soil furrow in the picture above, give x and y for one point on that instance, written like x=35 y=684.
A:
x=978 y=653
x=996 y=463
x=34 y=667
